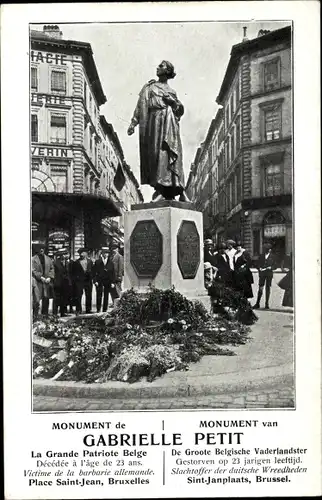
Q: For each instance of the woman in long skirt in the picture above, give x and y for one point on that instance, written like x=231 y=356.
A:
x=243 y=277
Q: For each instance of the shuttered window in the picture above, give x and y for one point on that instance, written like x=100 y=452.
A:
x=58 y=129
x=272 y=74
x=273 y=124
x=58 y=81
x=59 y=179
x=34 y=79
x=273 y=180
x=34 y=128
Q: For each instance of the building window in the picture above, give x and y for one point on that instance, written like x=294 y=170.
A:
x=58 y=81
x=59 y=178
x=256 y=241
x=220 y=136
x=34 y=128
x=227 y=153
x=91 y=143
x=231 y=193
x=272 y=74
x=220 y=166
x=238 y=185
x=227 y=117
x=238 y=134
x=237 y=91
x=85 y=94
x=35 y=164
x=34 y=79
x=232 y=111
x=90 y=103
x=232 y=144
x=273 y=123
x=273 y=180
x=58 y=129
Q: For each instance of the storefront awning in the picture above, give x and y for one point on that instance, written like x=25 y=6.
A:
x=47 y=204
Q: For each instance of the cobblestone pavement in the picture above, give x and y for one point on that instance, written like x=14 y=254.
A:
x=265 y=398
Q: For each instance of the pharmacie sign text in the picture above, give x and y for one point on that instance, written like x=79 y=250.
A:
x=48 y=57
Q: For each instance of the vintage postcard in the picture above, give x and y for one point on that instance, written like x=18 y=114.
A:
x=162 y=313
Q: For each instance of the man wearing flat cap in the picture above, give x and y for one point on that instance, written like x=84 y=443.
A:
x=83 y=281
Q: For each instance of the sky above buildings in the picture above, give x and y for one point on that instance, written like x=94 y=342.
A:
x=127 y=54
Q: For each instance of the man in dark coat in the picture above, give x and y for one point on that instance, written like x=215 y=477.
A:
x=118 y=263
x=208 y=251
x=43 y=273
x=221 y=262
x=105 y=279
x=83 y=280
x=266 y=265
x=62 y=282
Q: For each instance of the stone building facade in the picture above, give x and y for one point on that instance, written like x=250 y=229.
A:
x=72 y=158
x=254 y=166
x=111 y=156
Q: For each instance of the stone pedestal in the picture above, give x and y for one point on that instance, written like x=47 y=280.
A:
x=163 y=244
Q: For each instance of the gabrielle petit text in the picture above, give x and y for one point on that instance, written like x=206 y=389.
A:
x=209 y=438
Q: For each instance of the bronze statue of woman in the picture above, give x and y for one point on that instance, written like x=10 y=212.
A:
x=158 y=112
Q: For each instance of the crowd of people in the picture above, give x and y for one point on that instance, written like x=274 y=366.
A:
x=230 y=264
x=66 y=281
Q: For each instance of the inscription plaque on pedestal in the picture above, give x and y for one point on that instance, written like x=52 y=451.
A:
x=188 y=247
x=146 y=249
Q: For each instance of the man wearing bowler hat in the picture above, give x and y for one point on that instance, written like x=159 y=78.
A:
x=62 y=282
x=105 y=279
x=208 y=251
x=83 y=280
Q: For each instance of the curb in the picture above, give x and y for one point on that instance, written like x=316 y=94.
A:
x=168 y=387
x=288 y=310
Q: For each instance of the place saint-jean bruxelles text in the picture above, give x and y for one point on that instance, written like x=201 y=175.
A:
x=116 y=457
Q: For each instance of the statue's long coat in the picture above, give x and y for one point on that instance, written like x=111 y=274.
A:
x=160 y=143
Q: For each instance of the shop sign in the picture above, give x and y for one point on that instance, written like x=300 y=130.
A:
x=59 y=236
x=274 y=231
x=42 y=99
x=48 y=57
x=58 y=239
x=53 y=152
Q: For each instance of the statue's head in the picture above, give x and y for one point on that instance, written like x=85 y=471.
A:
x=166 y=68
